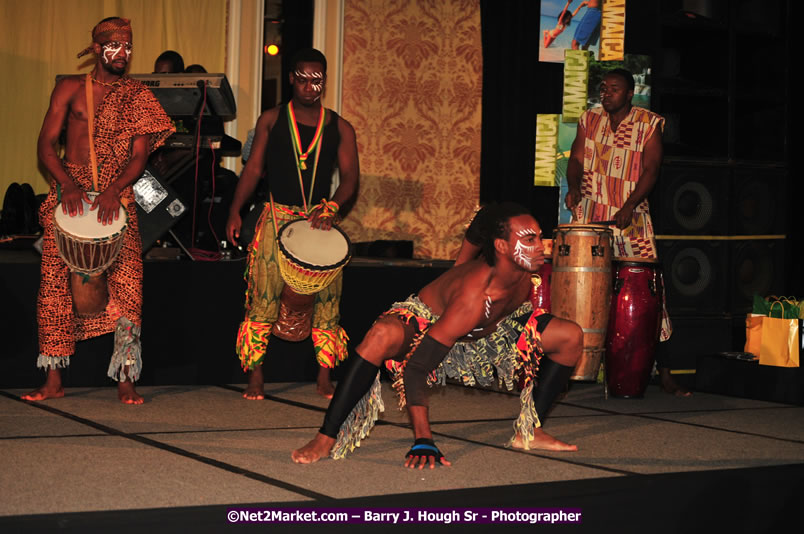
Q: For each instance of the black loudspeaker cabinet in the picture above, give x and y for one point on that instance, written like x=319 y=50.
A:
x=757 y=266
x=715 y=277
x=158 y=206
x=720 y=201
x=759 y=202
x=691 y=200
x=695 y=275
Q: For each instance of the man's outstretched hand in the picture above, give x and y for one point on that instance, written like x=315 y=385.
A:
x=424 y=452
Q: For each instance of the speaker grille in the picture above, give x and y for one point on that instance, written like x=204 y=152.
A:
x=692 y=206
x=760 y=201
x=695 y=275
x=691 y=200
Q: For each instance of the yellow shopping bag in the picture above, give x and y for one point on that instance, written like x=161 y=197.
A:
x=780 y=343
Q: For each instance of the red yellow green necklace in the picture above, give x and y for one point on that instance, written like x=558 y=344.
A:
x=301 y=156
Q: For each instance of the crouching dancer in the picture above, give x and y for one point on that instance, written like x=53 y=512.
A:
x=472 y=320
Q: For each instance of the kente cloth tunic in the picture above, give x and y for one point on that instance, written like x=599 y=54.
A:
x=612 y=166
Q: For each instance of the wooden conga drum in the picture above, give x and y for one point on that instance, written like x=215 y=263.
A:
x=580 y=288
x=635 y=319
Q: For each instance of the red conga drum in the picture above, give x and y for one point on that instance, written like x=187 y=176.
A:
x=634 y=322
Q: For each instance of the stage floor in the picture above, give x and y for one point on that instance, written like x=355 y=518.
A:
x=191 y=453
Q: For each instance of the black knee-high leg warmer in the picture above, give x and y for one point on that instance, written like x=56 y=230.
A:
x=357 y=380
x=553 y=378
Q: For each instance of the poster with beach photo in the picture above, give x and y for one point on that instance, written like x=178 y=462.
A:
x=566 y=136
x=567 y=24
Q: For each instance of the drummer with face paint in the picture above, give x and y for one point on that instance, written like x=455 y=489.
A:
x=295 y=150
x=473 y=323
x=112 y=124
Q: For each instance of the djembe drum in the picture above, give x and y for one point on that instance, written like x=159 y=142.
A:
x=580 y=289
x=309 y=260
x=88 y=248
x=634 y=324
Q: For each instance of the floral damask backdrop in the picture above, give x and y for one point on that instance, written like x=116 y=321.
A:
x=412 y=82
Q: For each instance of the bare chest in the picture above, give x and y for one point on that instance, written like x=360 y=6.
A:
x=497 y=307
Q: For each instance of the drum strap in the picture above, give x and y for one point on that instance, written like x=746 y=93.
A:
x=93 y=159
x=273 y=216
x=284 y=210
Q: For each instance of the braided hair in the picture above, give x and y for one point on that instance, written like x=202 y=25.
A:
x=490 y=223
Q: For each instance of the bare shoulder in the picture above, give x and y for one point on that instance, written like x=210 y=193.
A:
x=469 y=282
x=68 y=85
x=65 y=95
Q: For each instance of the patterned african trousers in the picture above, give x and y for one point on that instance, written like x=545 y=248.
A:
x=265 y=285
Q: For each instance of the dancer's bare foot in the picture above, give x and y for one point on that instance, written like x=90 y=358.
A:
x=318 y=448
x=254 y=390
x=127 y=394
x=51 y=389
x=542 y=441
x=670 y=386
x=324 y=384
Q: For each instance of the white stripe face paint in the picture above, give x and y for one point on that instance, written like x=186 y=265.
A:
x=316 y=79
x=524 y=254
x=111 y=49
x=488 y=307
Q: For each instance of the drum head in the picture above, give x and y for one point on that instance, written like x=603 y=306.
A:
x=314 y=248
x=628 y=260
x=86 y=225
x=582 y=229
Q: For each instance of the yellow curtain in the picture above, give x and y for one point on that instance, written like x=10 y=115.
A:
x=412 y=83
x=40 y=39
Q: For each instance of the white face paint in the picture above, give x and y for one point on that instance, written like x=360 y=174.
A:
x=524 y=254
x=111 y=49
x=316 y=79
x=487 y=307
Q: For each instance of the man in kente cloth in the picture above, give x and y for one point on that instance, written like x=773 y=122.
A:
x=614 y=164
x=295 y=150
x=473 y=321
x=128 y=125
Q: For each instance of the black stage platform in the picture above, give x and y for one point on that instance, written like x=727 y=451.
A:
x=191 y=312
